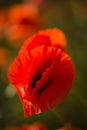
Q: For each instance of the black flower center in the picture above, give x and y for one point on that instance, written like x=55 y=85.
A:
x=35 y=79
x=43 y=88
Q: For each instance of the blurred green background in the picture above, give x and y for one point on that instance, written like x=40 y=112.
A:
x=71 y=17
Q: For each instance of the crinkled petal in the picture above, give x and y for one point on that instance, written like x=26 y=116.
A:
x=54 y=84
x=42 y=73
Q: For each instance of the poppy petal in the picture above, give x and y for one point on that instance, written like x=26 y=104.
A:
x=54 y=84
x=56 y=36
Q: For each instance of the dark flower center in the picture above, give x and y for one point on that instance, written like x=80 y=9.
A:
x=34 y=81
x=36 y=78
x=26 y=21
x=43 y=88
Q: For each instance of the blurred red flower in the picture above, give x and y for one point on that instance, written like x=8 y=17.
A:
x=69 y=127
x=42 y=73
x=23 y=20
x=34 y=126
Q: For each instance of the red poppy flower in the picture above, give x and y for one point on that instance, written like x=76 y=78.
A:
x=69 y=127
x=42 y=73
x=23 y=20
x=34 y=126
